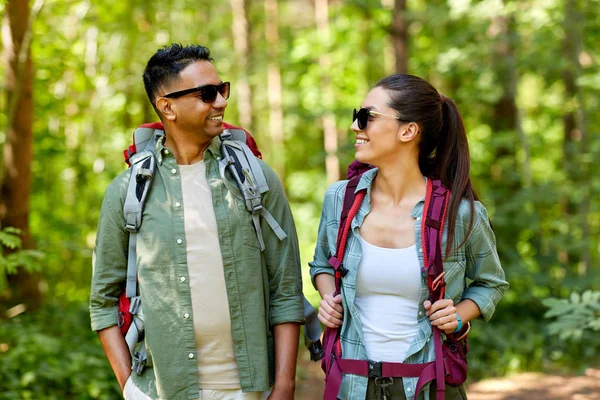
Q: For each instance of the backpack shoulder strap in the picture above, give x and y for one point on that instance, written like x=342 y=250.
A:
x=351 y=204
x=432 y=228
x=250 y=180
x=349 y=196
x=143 y=166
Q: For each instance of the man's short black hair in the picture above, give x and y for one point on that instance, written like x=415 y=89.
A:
x=166 y=64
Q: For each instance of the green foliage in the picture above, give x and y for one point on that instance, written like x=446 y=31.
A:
x=518 y=339
x=52 y=354
x=88 y=93
x=16 y=257
x=572 y=316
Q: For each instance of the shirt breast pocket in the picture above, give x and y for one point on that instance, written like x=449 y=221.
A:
x=246 y=225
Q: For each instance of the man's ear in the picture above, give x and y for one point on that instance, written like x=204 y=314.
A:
x=166 y=108
x=409 y=131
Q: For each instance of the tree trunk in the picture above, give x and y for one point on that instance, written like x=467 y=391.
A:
x=506 y=125
x=241 y=41
x=274 y=89
x=400 y=36
x=576 y=141
x=18 y=148
x=330 y=134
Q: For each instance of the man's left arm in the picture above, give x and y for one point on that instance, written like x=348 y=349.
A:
x=286 y=312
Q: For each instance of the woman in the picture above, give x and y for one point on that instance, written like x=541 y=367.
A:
x=409 y=132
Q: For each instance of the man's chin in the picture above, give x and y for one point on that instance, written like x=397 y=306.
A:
x=214 y=131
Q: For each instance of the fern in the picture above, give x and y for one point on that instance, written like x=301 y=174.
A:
x=10 y=238
x=571 y=317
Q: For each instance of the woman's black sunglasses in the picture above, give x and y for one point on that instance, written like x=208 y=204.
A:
x=363 y=115
x=208 y=93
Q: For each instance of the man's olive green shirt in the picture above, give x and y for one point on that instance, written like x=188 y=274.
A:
x=263 y=288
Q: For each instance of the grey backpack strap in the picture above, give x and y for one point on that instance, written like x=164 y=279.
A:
x=238 y=138
x=143 y=165
x=142 y=172
x=250 y=182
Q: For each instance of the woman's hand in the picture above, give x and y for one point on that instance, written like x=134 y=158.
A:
x=442 y=314
x=331 y=312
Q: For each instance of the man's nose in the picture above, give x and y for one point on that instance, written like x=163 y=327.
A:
x=220 y=102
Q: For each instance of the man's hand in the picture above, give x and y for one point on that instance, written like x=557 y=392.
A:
x=331 y=311
x=442 y=314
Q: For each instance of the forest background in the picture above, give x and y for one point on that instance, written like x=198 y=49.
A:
x=525 y=74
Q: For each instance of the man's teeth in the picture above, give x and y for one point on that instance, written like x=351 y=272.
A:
x=361 y=141
x=217 y=118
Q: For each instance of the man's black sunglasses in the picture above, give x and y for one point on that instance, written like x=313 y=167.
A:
x=208 y=93
x=363 y=115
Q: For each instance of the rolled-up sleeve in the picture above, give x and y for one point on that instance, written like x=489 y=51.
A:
x=282 y=258
x=109 y=262
x=483 y=266
x=320 y=263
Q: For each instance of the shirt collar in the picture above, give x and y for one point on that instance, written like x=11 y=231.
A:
x=214 y=148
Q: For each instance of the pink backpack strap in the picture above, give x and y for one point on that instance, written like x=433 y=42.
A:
x=432 y=229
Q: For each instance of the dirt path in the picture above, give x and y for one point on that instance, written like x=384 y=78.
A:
x=526 y=386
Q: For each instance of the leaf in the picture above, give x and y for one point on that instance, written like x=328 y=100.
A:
x=575 y=298
x=558 y=309
x=10 y=240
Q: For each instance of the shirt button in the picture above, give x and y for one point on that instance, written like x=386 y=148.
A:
x=420 y=312
x=182 y=279
x=408 y=389
x=420 y=249
x=418 y=218
x=186 y=315
x=173 y=171
x=166 y=151
x=191 y=355
x=178 y=204
x=179 y=241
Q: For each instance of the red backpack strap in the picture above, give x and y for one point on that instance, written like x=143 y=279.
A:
x=349 y=197
x=350 y=206
x=352 y=202
x=432 y=228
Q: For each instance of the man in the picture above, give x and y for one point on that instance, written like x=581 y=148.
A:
x=221 y=317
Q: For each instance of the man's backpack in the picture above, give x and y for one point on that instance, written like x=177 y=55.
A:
x=450 y=365
x=239 y=153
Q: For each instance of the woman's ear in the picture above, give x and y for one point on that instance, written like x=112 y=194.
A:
x=409 y=131
x=165 y=107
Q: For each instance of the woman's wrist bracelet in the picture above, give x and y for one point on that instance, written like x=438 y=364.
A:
x=460 y=323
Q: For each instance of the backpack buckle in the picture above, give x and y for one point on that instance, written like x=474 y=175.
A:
x=375 y=369
x=316 y=351
x=134 y=307
x=343 y=270
x=138 y=362
x=256 y=209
